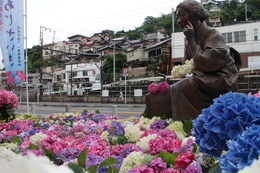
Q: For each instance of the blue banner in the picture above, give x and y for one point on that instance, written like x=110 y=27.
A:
x=12 y=39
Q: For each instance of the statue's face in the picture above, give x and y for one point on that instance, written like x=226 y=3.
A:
x=183 y=16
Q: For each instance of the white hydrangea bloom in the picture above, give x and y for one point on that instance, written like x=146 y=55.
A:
x=133 y=133
x=38 y=137
x=144 y=142
x=10 y=146
x=104 y=135
x=6 y=154
x=32 y=164
x=180 y=71
x=134 y=159
x=177 y=126
x=253 y=168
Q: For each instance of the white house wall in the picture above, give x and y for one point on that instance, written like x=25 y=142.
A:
x=243 y=47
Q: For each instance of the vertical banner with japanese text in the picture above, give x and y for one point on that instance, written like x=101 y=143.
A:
x=12 y=39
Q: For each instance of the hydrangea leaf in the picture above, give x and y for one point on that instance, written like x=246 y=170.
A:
x=121 y=139
x=187 y=126
x=169 y=158
x=32 y=146
x=16 y=139
x=148 y=158
x=108 y=161
x=76 y=168
x=112 y=169
x=92 y=169
x=82 y=159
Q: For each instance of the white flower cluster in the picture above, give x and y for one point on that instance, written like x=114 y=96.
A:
x=177 y=126
x=134 y=159
x=180 y=71
x=144 y=142
x=6 y=154
x=31 y=164
x=253 y=168
x=38 y=137
x=133 y=133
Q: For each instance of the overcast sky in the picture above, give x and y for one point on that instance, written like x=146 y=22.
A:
x=66 y=18
x=70 y=17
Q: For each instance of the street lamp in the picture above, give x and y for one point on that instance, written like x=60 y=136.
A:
x=42 y=29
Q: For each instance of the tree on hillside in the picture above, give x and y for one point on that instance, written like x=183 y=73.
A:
x=253 y=7
x=34 y=59
x=120 y=62
x=233 y=11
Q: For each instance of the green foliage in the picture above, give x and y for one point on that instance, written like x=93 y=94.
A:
x=82 y=159
x=234 y=11
x=76 y=168
x=150 y=66
x=16 y=139
x=34 y=58
x=187 y=126
x=121 y=139
x=7 y=113
x=169 y=158
x=120 y=61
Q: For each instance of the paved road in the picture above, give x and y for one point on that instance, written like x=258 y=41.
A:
x=46 y=108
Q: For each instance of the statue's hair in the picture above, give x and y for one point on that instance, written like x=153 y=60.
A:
x=196 y=10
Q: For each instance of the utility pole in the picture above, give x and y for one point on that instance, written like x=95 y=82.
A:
x=246 y=12
x=114 y=64
x=42 y=29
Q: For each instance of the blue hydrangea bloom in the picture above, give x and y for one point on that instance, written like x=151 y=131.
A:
x=225 y=119
x=242 y=151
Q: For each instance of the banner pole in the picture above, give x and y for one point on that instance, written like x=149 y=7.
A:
x=26 y=56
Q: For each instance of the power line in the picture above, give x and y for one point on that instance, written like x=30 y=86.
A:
x=62 y=28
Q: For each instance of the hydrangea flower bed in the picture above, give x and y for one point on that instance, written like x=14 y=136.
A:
x=135 y=144
x=226 y=134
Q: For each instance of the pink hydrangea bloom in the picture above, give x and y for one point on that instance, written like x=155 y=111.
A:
x=161 y=144
x=171 y=170
x=163 y=87
x=167 y=133
x=153 y=88
x=8 y=97
x=148 y=132
x=184 y=159
x=141 y=169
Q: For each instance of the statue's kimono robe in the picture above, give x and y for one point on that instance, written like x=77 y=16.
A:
x=216 y=73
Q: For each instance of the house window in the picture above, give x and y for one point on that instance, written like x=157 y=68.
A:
x=240 y=36
x=74 y=73
x=227 y=37
x=255 y=34
x=132 y=53
x=58 y=77
x=85 y=73
x=154 y=53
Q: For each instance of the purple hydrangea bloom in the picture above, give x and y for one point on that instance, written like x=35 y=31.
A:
x=94 y=160
x=129 y=149
x=194 y=167
x=159 y=124
x=115 y=129
x=68 y=154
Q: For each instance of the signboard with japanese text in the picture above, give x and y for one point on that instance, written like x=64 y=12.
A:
x=12 y=39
